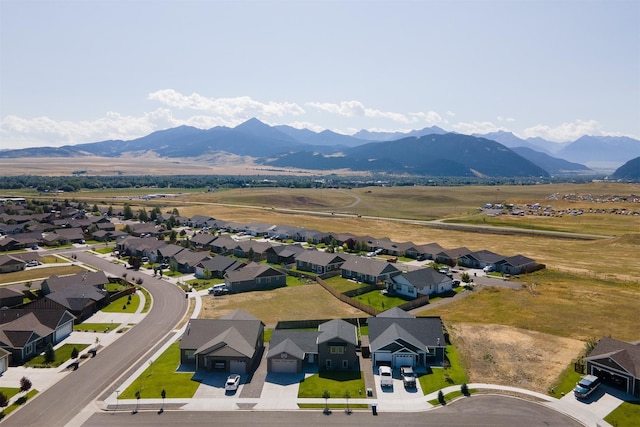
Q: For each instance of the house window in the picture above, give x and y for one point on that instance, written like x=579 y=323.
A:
x=336 y=349
x=328 y=363
x=345 y=364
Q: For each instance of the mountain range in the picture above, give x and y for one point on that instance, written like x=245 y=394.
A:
x=430 y=151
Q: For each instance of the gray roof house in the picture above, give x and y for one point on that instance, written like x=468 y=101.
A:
x=254 y=277
x=319 y=262
x=424 y=281
x=233 y=343
x=81 y=294
x=368 y=270
x=290 y=350
x=337 y=344
x=451 y=256
x=517 y=264
x=283 y=254
x=616 y=363
x=10 y=263
x=397 y=338
x=217 y=266
x=481 y=259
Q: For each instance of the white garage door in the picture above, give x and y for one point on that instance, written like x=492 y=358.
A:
x=237 y=367
x=403 y=360
x=284 y=365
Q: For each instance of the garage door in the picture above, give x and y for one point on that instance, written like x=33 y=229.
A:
x=237 y=366
x=403 y=360
x=284 y=365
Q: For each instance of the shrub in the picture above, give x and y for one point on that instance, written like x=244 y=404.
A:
x=441 y=397
x=4 y=401
x=464 y=389
x=25 y=384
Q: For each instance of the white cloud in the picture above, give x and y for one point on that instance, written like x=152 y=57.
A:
x=506 y=119
x=477 y=127
x=357 y=109
x=565 y=131
x=231 y=109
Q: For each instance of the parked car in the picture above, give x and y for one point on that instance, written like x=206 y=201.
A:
x=218 y=289
x=164 y=266
x=33 y=263
x=232 y=383
x=488 y=269
x=145 y=259
x=386 y=377
x=35 y=247
x=587 y=385
x=408 y=376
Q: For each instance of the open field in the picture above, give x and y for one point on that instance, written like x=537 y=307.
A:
x=288 y=303
x=39 y=273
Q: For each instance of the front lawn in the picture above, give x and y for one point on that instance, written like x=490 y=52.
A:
x=161 y=375
x=124 y=304
x=565 y=383
x=625 y=415
x=343 y=285
x=204 y=283
x=380 y=301
x=438 y=378
x=95 y=327
x=62 y=355
x=107 y=250
x=336 y=383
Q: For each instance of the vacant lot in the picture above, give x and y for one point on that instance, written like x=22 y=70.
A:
x=513 y=356
x=38 y=273
x=288 y=303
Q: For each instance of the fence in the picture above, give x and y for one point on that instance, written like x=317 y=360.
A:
x=342 y=297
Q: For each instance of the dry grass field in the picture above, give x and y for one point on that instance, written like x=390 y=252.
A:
x=590 y=288
x=290 y=303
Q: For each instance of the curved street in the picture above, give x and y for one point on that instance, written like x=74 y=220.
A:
x=66 y=399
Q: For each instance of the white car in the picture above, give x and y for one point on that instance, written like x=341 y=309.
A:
x=232 y=383
x=386 y=377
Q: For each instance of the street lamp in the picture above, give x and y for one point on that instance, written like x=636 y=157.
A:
x=117 y=392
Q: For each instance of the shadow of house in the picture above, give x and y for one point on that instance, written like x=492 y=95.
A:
x=233 y=343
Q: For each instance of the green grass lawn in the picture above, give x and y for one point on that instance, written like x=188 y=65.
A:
x=147 y=299
x=336 y=383
x=343 y=285
x=204 y=283
x=565 y=383
x=21 y=401
x=625 y=415
x=451 y=396
x=95 y=327
x=106 y=250
x=438 y=378
x=9 y=392
x=379 y=301
x=62 y=355
x=124 y=304
x=162 y=375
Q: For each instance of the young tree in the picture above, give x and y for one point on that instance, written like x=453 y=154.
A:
x=49 y=354
x=110 y=211
x=326 y=396
x=74 y=353
x=175 y=212
x=207 y=274
x=127 y=212
x=4 y=401
x=465 y=277
x=173 y=235
x=251 y=254
x=25 y=384
x=441 y=397
x=143 y=215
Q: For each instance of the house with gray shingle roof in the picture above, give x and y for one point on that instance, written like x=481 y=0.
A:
x=616 y=363
x=254 y=277
x=368 y=270
x=283 y=254
x=217 y=266
x=451 y=256
x=337 y=345
x=517 y=264
x=233 y=343
x=480 y=259
x=81 y=294
x=319 y=262
x=291 y=350
x=400 y=339
x=423 y=281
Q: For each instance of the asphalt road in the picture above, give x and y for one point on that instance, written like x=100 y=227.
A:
x=63 y=401
x=477 y=411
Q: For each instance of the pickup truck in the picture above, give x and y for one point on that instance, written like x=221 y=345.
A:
x=408 y=377
x=386 y=379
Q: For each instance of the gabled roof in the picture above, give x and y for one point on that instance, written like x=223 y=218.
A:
x=286 y=251
x=203 y=238
x=518 y=260
x=430 y=248
x=423 y=332
x=239 y=314
x=627 y=355
x=287 y=346
x=10 y=260
x=368 y=266
x=250 y=272
x=396 y=313
x=83 y=280
x=304 y=340
x=485 y=256
x=423 y=277
x=337 y=329
x=455 y=253
x=221 y=263
x=316 y=257
x=230 y=342
x=192 y=258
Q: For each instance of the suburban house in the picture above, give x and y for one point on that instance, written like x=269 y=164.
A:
x=246 y=248
x=186 y=260
x=26 y=332
x=202 y=240
x=81 y=294
x=164 y=252
x=254 y=277
x=223 y=244
x=451 y=256
x=217 y=266
x=63 y=236
x=290 y=350
x=258 y=229
x=518 y=264
x=233 y=343
x=283 y=254
x=392 y=248
x=319 y=262
x=480 y=259
x=283 y=232
x=396 y=338
x=10 y=297
x=368 y=270
x=200 y=221
x=10 y=263
x=337 y=345
x=616 y=363
x=424 y=281
x=428 y=251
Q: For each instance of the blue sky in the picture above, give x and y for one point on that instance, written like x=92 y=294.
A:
x=84 y=71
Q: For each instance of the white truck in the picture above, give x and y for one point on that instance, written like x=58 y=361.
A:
x=386 y=377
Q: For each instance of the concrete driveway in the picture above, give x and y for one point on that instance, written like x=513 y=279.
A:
x=590 y=411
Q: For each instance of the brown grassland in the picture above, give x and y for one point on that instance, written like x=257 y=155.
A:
x=589 y=289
